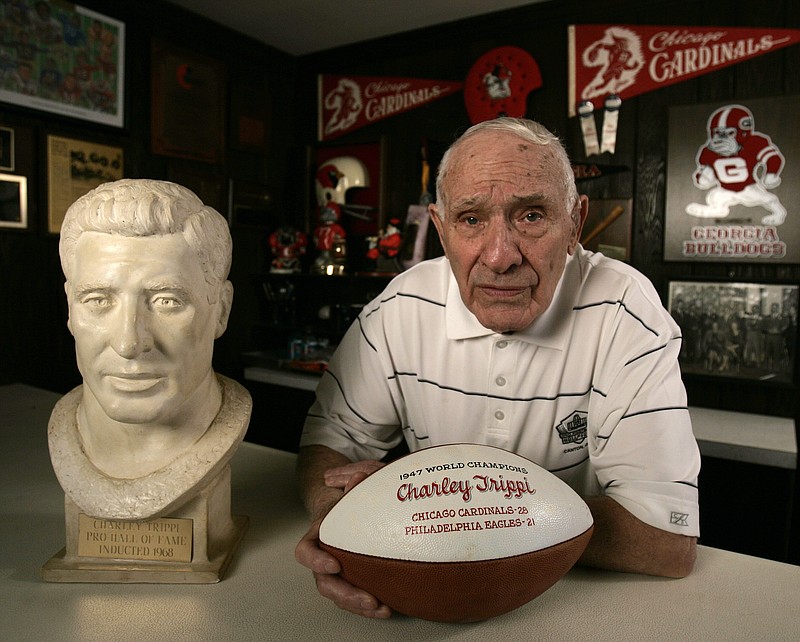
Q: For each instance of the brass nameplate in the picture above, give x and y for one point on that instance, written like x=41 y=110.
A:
x=163 y=539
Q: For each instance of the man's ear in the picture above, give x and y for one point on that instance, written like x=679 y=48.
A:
x=225 y=302
x=433 y=212
x=578 y=216
x=68 y=291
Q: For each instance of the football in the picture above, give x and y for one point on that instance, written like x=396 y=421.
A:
x=457 y=533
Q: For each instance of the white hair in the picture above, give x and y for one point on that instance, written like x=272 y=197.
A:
x=528 y=130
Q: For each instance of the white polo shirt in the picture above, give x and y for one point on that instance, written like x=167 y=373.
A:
x=591 y=391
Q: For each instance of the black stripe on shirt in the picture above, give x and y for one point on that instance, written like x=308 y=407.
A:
x=579 y=308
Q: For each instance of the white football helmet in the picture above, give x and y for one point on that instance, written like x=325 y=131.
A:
x=336 y=176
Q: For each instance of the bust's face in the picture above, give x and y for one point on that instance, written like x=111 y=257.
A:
x=144 y=329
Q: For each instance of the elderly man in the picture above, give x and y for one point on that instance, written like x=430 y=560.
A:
x=146 y=265
x=517 y=338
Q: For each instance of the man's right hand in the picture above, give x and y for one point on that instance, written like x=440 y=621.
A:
x=326 y=570
x=325 y=476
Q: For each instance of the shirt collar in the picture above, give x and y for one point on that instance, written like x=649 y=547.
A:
x=550 y=330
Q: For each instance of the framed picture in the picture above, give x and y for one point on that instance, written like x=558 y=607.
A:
x=188 y=109
x=65 y=59
x=6 y=149
x=13 y=201
x=73 y=168
x=733 y=179
x=362 y=170
x=739 y=330
x=608 y=227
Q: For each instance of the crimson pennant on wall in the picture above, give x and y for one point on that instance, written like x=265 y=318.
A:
x=628 y=60
x=350 y=102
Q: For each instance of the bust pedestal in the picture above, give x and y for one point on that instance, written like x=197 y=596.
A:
x=204 y=526
x=155 y=529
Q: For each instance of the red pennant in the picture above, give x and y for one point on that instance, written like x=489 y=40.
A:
x=350 y=102
x=628 y=60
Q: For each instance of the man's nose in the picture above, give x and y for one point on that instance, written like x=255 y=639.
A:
x=501 y=246
x=132 y=336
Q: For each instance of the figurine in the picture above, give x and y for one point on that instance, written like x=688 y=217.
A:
x=329 y=237
x=151 y=431
x=288 y=246
x=385 y=249
x=334 y=178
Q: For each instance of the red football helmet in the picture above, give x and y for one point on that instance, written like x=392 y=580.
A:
x=499 y=82
x=729 y=117
x=728 y=127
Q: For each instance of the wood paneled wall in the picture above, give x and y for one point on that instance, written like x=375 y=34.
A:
x=447 y=52
x=35 y=346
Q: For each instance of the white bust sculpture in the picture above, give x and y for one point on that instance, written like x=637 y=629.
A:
x=146 y=266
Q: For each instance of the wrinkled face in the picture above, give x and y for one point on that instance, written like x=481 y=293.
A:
x=144 y=329
x=507 y=229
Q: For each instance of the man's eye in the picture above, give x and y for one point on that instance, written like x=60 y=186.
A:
x=532 y=217
x=167 y=303
x=96 y=301
x=468 y=220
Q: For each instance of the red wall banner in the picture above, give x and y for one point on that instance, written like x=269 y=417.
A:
x=350 y=102
x=628 y=60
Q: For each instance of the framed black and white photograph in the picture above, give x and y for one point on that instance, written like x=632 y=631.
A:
x=13 y=201
x=739 y=330
x=64 y=59
x=6 y=149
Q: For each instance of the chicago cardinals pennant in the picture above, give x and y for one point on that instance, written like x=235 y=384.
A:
x=347 y=103
x=610 y=63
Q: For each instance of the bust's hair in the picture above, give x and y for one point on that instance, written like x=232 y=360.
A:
x=144 y=207
x=528 y=130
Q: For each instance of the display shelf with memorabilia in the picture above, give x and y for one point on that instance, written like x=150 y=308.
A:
x=310 y=305
x=301 y=319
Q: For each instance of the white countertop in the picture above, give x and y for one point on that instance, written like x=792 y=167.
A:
x=267 y=595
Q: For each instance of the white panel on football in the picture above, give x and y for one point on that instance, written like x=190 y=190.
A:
x=456 y=503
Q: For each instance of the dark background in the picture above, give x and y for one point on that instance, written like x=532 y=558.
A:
x=748 y=507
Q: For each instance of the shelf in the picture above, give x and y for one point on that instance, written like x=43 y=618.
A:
x=265 y=367
x=739 y=436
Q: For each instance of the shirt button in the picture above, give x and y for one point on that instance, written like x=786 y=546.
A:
x=502 y=344
x=500 y=381
x=499 y=415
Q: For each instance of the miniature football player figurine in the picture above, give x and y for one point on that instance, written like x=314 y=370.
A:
x=386 y=249
x=329 y=237
x=288 y=246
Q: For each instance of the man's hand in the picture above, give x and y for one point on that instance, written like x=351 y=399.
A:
x=324 y=478
x=346 y=477
x=326 y=568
